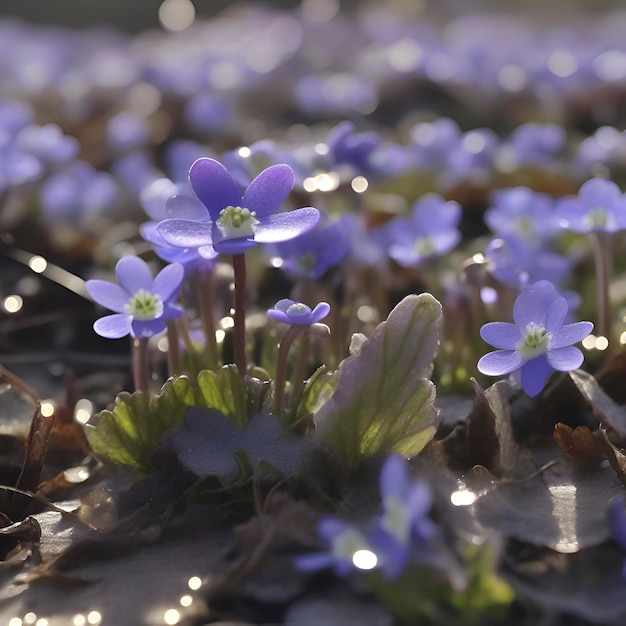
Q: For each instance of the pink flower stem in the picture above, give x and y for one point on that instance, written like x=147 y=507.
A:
x=239 y=267
x=602 y=256
x=141 y=375
x=280 y=374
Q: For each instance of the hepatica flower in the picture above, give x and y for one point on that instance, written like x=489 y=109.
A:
x=431 y=230
x=537 y=343
x=600 y=206
x=239 y=222
x=403 y=529
x=298 y=314
x=141 y=303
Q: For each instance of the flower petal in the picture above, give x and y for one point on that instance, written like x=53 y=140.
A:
x=279 y=316
x=214 y=186
x=146 y=328
x=268 y=190
x=108 y=295
x=321 y=310
x=168 y=281
x=314 y=562
x=599 y=192
x=113 y=326
x=394 y=478
x=234 y=246
x=501 y=335
x=288 y=225
x=534 y=374
x=570 y=334
x=186 y=233
x=532 y=304
x=133 y=274
x=556 y=314
x=565 y=359
x=500 y=362
x=185 y=207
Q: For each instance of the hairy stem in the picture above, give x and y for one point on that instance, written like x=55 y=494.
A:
x=141 y=374
x=239 y=267
x=280 y=374
x=173 y=350
x=206 y=289
x=602 y=257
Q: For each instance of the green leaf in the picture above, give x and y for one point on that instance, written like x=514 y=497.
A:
x=317 y=391
x=129 y=434
x=384 y=401
x=225 y=392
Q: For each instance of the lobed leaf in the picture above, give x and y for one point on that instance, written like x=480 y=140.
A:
x=384 y=401
x=131 y=432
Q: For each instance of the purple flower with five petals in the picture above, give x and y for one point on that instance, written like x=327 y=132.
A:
x=239 y=222
x=298 y=314
x=431 y=230
x=537 y=343
x=141 y=303
x=403 y=529
x=599 y=207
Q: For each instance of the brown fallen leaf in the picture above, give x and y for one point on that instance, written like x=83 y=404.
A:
x=579 y=446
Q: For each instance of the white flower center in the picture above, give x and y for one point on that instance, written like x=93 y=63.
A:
x=395 y=520
x=235 y=222
x=144 y=305
x=297 y=308
x=524 y=226
x=347 y=543
x=597 y=217
x=534 y=343
x=424 y=246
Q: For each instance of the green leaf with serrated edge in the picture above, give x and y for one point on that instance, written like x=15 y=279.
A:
x=129 y=434
x=225 y=392
x=384 y=400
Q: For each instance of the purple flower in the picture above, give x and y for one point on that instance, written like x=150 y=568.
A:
x=599 y=207
x=312 y=253
x=535 y=144
x=344 y=540
x=141 y=303
x=347 y=147
x=403 y=529
x=78 y=194
x=160 y=199
x=298 y=314
x=126 y=131
x=518 y=262
x=523 y=212
x=617 y=524
x=239 y=222
x=431 y=230
x=537 y=343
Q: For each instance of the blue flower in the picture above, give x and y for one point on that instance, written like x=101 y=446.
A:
x=537 y=343
x=141 y=303
x=525 y=213
x=431 y=230
x=600 y=206
x=239 y=222
x=312 y=253
x=161 y=198
x=344 y=541
x=403 y=529
x=298 y=314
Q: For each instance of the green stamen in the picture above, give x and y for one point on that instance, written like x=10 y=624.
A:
x=235 y=222
x=144 y=305
x=535 y=342
x=298 y=309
